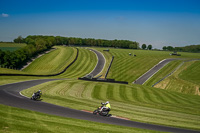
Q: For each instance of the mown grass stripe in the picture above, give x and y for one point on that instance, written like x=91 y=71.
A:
x=83 y=65
x=122 y=91
x=109 y=93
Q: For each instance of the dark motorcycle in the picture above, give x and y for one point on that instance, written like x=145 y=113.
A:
x=35 y=97
x=101 y=112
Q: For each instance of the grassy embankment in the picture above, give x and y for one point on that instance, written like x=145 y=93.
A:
x=50 y=63
x=129 y=68
x=139 y=103
x=15 y=120
x=53 y=62
x=185 y=80
x=84 y=64
x=11 y=46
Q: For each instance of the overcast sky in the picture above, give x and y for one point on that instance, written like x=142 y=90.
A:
x=157 y=22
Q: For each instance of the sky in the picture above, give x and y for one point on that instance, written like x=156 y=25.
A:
x=157 y=22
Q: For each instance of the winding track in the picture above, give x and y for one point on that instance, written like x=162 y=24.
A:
x=100 y=64
x=9 y=95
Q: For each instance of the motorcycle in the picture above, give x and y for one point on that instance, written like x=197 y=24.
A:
x=35 y=97
x=101 y=112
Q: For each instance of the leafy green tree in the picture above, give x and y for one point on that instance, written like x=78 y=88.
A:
x=149 y=47
x=50 y=41
x=19 y=39
x=144 y=46
x=164 y=48
x=2 y=53
x=170 y=48
x=29 y=41
x=131 y=46
x=40 y=44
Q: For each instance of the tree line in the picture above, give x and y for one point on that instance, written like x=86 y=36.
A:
x=38 y=43
x=58 y=40
x=190 y=48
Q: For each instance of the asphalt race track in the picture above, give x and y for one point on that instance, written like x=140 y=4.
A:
x=9 y=95
x=141 y=80
x=100 y=63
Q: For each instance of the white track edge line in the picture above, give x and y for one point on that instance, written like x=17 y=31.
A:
x=23 y=95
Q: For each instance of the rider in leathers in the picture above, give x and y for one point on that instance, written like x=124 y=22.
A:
x=39 y=93
x=106 y=106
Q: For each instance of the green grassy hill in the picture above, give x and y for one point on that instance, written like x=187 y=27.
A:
x=129 y=68
x=191 y=73
x=84 y=64
x=53 y=62
x=139 y=103
x=185 y=80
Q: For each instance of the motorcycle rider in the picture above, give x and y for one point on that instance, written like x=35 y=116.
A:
x=38 y=93
x=106 y=106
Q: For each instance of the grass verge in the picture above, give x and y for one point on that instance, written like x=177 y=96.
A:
x=15 y=120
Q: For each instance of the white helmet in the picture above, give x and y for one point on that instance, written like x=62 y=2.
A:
x=107 y=102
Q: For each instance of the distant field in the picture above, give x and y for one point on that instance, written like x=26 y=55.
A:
x=129 y=68
x=139 y=103
x=15 y=120
x=11 y=46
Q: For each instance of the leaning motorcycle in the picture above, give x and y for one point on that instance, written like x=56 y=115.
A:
x=35 y=97
x=101 y=112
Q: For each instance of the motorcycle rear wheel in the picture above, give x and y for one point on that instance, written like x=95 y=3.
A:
x=95 y=112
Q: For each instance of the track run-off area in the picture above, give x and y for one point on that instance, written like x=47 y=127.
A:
x=10 y=95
